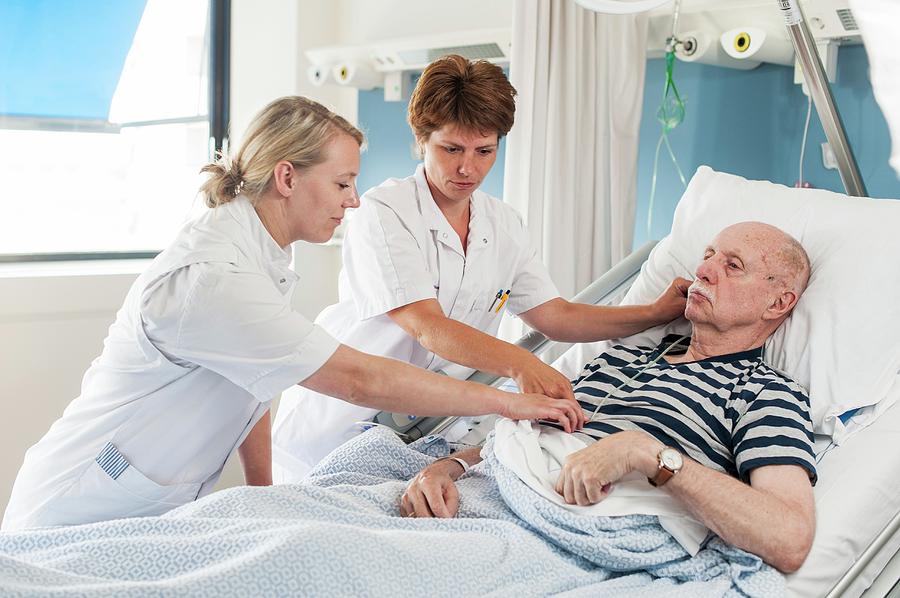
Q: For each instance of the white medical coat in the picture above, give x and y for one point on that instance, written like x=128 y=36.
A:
x=205 y=339
x=399 y=249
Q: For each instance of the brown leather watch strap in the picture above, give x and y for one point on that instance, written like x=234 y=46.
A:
x=662 y=476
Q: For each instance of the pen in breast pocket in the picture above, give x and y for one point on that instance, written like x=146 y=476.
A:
x=499 y=294
x=502 y=301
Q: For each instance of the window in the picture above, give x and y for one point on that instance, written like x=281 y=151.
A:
x=104 y=124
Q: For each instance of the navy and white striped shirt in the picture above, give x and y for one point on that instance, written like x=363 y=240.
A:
x=732 y=413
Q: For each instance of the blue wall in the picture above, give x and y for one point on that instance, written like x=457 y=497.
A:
x=751 y=123
x=744 y=122
x=391 y=145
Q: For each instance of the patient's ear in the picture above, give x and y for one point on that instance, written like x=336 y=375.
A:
x=782 y=305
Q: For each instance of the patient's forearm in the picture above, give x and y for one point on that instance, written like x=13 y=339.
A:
x=256 y=453
x=472 y=456
x=777 y=530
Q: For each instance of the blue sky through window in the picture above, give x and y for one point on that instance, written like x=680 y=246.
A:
x=64 y=58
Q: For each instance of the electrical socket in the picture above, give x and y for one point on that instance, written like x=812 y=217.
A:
x=828 y=54
x=828 y=159
x=397 y=86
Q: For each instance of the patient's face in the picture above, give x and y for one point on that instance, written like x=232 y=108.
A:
x=733 y=285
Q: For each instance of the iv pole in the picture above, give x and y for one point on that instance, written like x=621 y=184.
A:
x=817 y=84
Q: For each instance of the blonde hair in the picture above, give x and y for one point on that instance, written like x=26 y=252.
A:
x=291 y=128
x=470 y=94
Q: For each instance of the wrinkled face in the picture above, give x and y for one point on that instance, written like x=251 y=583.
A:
x=324 y=191
x=734 y=284
x=456 y=161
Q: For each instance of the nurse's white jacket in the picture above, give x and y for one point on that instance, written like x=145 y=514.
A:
x=399 y=248
x=205 y=338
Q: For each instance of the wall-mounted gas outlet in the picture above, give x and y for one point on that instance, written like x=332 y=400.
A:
x=828 y=159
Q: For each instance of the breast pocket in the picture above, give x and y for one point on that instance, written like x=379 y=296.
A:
x=490 y=277
x=112 y=488
x=487 y=302
x=495 y=298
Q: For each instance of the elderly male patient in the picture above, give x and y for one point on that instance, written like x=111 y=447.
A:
x=709 y=422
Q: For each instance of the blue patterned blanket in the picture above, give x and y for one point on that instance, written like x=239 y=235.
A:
x=341 y=534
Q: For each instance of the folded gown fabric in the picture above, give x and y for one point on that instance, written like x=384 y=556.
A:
x=537 y=453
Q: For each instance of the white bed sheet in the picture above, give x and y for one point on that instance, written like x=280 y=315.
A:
x=857 y=495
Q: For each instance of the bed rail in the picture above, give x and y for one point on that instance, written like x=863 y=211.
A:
x=865 y=558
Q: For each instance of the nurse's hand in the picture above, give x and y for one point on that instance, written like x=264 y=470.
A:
x=672 y=302
x=537 y=377
x=566 y=412
x=433 y=493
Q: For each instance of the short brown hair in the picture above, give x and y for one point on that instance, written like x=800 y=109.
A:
x=456 y=91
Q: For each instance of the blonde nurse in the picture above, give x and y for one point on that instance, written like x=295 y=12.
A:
x=432 y=264
x=207 y=338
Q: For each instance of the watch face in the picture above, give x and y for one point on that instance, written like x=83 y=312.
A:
x=671 y=459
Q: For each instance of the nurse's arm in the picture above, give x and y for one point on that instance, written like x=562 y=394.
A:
x=391 y=385
x=460 y=343
x=256 y=453
x=562 y=320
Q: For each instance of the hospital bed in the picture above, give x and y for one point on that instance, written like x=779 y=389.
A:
x=856 y=551
x=857 y=546
x=339 y=531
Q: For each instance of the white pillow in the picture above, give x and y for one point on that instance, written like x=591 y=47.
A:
x=842 y=341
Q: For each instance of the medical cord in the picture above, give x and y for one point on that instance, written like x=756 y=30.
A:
x=805 y=132
x=616 y=390
x=662 y=138
x=676 y=10
x=670 y=114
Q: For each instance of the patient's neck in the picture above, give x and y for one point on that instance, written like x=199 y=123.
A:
x=707 y=342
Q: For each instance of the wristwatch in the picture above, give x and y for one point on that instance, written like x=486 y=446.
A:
x=670 y=463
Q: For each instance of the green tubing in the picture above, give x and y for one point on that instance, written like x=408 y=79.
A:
x=670 y=115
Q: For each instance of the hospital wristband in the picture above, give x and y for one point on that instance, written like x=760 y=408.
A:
x=462 y=462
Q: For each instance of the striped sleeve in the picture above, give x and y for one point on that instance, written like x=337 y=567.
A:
x=776 y=428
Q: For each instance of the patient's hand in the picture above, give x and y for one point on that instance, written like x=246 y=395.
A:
x=588 y=475
x=433 y=493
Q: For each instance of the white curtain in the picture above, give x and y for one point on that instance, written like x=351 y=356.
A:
x=878 y=21
x=571 y=158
